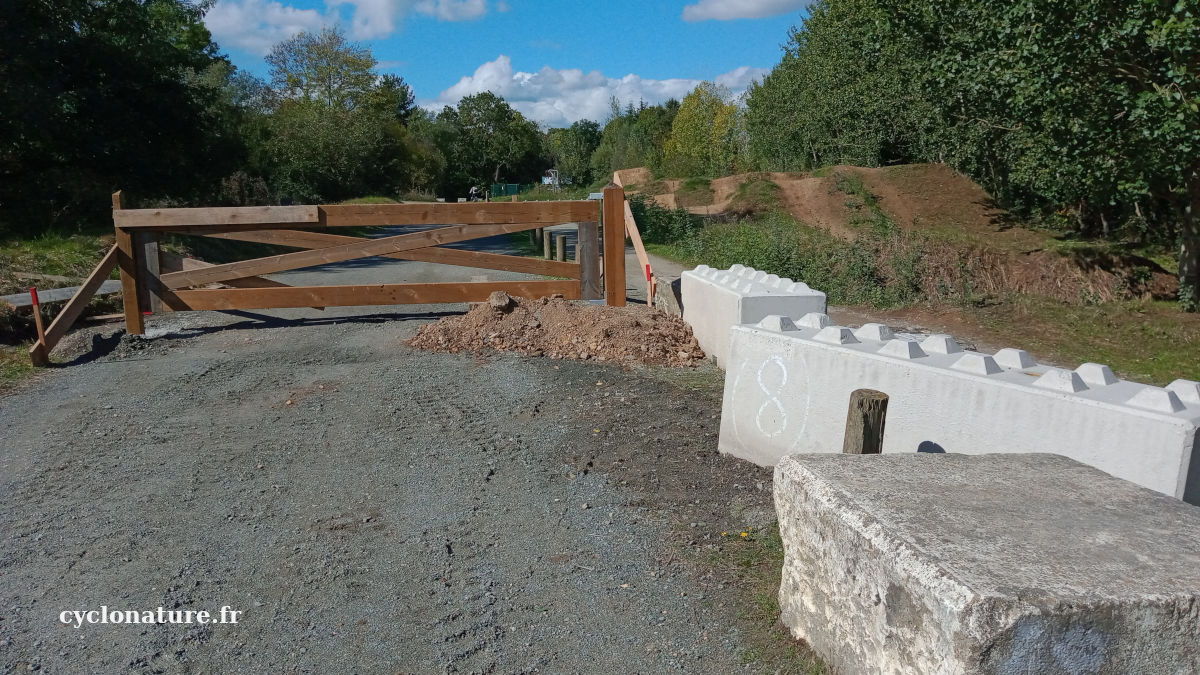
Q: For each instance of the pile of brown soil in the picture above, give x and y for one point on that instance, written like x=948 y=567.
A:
x=564 y=329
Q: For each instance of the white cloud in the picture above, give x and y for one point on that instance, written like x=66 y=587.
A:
x=454 y=10
x=724 y=10
x=559 y=97
x=257 y=25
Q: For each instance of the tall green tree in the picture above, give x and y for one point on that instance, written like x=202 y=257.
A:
x=571 y=150
x=704 y=134
x=99 y=96
x=848 y=91
x=323 y=67
x=484 y=140
x=1090 y=107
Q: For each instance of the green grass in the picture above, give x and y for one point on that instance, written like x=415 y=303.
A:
x=695 y=191
x=14 y=365
x=756 y=195
x=754 y=563
x=1151 y=342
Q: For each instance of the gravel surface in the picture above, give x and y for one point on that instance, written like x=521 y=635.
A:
x=368 y=507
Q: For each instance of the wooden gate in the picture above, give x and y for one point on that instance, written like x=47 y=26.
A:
x=153 y=280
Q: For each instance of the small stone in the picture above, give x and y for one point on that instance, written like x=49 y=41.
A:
x=500 y=301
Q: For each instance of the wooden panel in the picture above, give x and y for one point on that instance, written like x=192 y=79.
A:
x=614 y=246
x=127 y=261
x=74 y=307
x=146 y=245
x=470 y=213
x=446 y=256
x=379 y=294
x=333 y=254
x=166 y=219
x=587 y=250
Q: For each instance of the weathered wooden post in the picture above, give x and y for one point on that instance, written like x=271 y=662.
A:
x=560 y=247
x=864 y=422
x=127 y=261
x=614 y=245
x=547 y=243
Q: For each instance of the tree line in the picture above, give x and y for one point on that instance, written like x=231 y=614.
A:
x=1081 y=115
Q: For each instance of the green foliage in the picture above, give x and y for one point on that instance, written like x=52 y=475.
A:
x=846 y=92
x=571 y=150
x=705 y=135
x=634 y=138
x=323 y=67
x=485 y=141
x=659 y=225
x=96 y=96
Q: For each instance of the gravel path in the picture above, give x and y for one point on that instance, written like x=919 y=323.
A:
x=368 y=508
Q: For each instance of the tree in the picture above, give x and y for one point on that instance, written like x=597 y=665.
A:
x=1092 y=108
x=484 y=141
x=98 y=96
x=704 y=133
x=572 y=148
x=846 y=92
x=323 y=67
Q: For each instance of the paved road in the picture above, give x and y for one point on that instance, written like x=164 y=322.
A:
x=368 y=508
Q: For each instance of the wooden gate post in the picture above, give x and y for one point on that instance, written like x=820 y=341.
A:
x=614 y=245
x=864 y=423
x=587 y=253
x=127 y=261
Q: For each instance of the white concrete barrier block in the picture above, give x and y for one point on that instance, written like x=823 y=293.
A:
x=980 y=364
x=1061 y=379
x=875 y=332
x=1015 y=358
x=716 y=300
x=788 y=389
x=903 y=349
x=1096 y=375
x=940 y=344
x=1186 y=390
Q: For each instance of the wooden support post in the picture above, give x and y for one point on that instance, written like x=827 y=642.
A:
x=127 y=261
x=560 y=247
x=148 y=265
x=865 y=422
x=587 y=250
x=614 y=245
x=547 y=244
x=40 y=354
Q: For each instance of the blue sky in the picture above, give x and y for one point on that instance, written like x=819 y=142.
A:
x=555 y=61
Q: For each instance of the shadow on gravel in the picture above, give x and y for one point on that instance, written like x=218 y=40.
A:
x=103 y=345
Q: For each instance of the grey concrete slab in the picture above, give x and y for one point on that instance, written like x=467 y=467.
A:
x=946 y=563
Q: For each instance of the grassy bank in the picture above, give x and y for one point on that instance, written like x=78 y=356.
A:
x=907 y=278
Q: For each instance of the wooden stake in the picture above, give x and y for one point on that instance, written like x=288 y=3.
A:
x=614 y=246
x=560 y=247
x=40 y=354
x=547 y=244
x=865 y=422
x=127 y=261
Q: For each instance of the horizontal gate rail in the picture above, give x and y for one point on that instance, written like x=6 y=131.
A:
x=447 y=256
x=377 y=294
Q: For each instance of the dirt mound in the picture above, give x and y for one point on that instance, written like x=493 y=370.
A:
x=564 y=329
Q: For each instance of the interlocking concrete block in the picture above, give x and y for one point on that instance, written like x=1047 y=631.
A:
x=788 y=391
x=716 y=300
x=999 y=564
